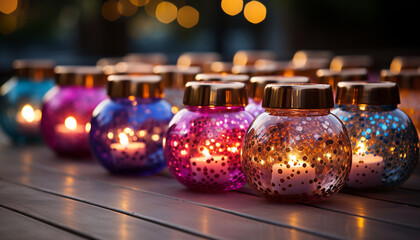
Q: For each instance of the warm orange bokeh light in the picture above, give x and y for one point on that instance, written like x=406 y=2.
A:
x=126 y=8
x=188 y=17
x=8 y=6
x=110 y=10
x=255 y=12
x=166 y=12
x=139 y=3
x=232 y=7
x=70 y=123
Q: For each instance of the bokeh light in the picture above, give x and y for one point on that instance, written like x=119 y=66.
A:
x=8 y=6
x=151 y=6
x=166 y=12
x=126 y=8
x=255 y=12
x=139 y=3
x=110 y=10
x=188 y=17
x=8 y=24
x=232 y=7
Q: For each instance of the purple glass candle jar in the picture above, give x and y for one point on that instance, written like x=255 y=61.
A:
x=204 y=140
x=128 y=129
x=174 y=79
x=297 y=151
x=68 y=107
x=256 y=90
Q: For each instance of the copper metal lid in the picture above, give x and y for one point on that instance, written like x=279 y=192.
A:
x=380 y=93
x=35 y=70
x=102 y=62
x=174 y=76
x=222 y=77
x=406 y=79
x=249 y=57
x=124 y=86
x=86 y=76
x=218 y=67
x=332 y=77
x=189 y=59
x=351 y=61
x=129 y=68
x=150 y=58
x=214 y=94
x=400 y=63
x=257 y=84
x=298 y=96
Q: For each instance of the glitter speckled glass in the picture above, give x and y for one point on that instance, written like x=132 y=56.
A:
x=203 y=143
x=297 y=155
x=384 y=141
x=128 y=129
x=66 y=114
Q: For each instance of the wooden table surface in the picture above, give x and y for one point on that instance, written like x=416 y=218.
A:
x=45 y=197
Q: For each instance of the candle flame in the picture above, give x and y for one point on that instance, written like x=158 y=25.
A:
x=70 y=123
x=123 y=139
x=87 y=127
x=206 y=152
x=29 y=114
x=360 y=148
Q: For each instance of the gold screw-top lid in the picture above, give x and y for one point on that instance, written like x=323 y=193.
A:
x=257 y=84
x=174 y=76
x=215 y=94
x=406 y=79
x=401 y=63
x=124 y=86
x=35 y=70
x=369 y=93
x=333 y=77
x=129 y=68
x=85 y=76
x=298 y=96
x=189 y=59
x=351 y=61
x=215 y=77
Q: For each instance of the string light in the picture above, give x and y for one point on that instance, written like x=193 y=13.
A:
x=126 y=8
x=232 y=7
x=110 y=10
x=166 y=12
x=188 y=17
x=8 y=6
x=255 y=12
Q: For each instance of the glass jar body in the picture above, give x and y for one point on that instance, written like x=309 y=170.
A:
x=203 y=147
x=20 y=109
x=254 y=107
x=385 y=145
x=127 y=135
x=66 y=114
x=296 y=155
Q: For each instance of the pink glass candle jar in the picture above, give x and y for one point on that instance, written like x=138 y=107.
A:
x=256 y=91
x=68 y=107
x=384 y=140
x=174 y=80
x=128 y=129
x=409 y=84
x=204 y=140
x=297 y=151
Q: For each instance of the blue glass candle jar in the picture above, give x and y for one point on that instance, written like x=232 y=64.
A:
x=174 y=80
x=68 y=107
x=21 y=99
x=384 y=141
x=256 y=90
x=204 y=140
x=127 y=130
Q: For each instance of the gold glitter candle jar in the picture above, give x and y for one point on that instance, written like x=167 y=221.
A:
x=297 y=151
x=384 y=140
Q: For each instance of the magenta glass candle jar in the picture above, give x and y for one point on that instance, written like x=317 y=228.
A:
x=297 y=151
x=128 y=129
x=174 y=80
x=204 y=140
x=384 y=140
x=68 y=107
x=256 y=90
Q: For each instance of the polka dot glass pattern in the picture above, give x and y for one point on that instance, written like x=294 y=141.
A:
x=410 y=104
x=385 y=145
x=203 y=147
x=296 y=155
x=66 y=114
x=127 y=135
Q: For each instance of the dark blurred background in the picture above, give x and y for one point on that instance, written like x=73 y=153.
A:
x=81 y=31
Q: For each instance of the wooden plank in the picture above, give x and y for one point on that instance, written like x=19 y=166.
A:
x=397 y=195
x=80 y=218
x=17 y=226
x=303 y=218
x=413 y=182
x=169 y=212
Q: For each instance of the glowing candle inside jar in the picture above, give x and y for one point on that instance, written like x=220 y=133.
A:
x=128 y=153
x=366 y=170
x=29 y=118
x=296 y=177
x=210 y=169
x=71 y=127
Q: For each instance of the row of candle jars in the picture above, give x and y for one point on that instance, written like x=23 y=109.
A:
x=21 y=99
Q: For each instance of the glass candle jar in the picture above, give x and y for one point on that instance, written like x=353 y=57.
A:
x=21 y=99
x=174 y=80
x=401 y=63
x=297 y=151
x=409 y=84
x=204 y=140
x=256 y=91
x=333 y=77
x=384 y=141
x=308 y=69
x=68 y=107
x=128 y=129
